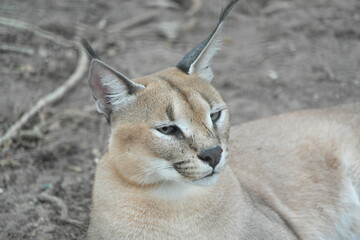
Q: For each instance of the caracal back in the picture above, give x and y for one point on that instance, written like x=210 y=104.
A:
x=306 y=165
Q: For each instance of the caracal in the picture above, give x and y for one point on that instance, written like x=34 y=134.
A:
x=173 y=171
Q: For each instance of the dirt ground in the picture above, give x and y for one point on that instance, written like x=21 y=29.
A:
x=277 y=56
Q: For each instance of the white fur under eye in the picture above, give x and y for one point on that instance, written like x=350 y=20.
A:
x=220 y=121
x=161 y=135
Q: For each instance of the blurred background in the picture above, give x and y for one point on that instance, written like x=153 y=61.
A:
x=277 y=56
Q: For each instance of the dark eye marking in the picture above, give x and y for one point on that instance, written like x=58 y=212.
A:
x=169 y=130
x=215 y=116
x=209 y=133
x=170 y=113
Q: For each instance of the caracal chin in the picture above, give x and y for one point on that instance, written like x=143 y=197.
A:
x=173 y=171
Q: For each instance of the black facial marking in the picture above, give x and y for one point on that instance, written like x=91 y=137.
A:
x=177 y=89
x=209 y=132
x=191 y=143
x=181 y=163
x=170 y=113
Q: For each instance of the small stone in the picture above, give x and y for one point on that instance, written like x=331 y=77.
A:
x=46 y=186
x=27 y=68
x=96 y=152
x=70 y=54
x=273 y=75
x=75 y=168
x=43 y=52
x=1 y=191
x=102 y=23
x=276 y=7
x=55 y=126
x=112 y=52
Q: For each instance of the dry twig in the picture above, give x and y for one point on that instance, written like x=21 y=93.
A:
x=51 y=97
x=57 y=202
x=171 y=30
x=17 y=48
x=60 y=91
x=163 y=4
x=38 y=31
x=34 y=133
x=194 y=7
x=118 y=27
x=71 y=113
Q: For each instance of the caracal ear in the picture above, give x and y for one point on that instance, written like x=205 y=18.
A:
x=110 y=88
x=199 y=58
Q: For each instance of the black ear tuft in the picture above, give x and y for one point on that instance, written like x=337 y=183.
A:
x=225 y=11
x=89 y=50
x=198 y=59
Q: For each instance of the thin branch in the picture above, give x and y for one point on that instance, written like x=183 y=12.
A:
x=118 y=27
x=163 y=4
x=194 y=7
x=34 y=133
x=41 y=32
x=71 y=113
x=57 y=202
x=50 y=98
x=16 y=48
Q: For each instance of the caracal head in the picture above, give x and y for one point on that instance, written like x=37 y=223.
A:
x=168 y=127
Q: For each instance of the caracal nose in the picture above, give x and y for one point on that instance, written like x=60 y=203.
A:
x=211 y=155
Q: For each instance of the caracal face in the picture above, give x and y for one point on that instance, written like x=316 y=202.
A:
x=175 y=130
x=168 y=127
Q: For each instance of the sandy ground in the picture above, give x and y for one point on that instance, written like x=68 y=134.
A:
x=277 y=56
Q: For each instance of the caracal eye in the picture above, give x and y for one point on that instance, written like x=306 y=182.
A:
x=168 y=130
x=215 y=116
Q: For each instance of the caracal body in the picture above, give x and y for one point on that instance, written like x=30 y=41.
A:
x=293 y=176
x=173 y=170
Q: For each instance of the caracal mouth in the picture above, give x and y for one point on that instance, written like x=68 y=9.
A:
x=189 y=179
x=211 y=174
x=207 y=181
x=206 y=178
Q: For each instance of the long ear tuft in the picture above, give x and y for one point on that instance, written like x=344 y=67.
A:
x=199 y=58
x=89 y=50
x=110 y=88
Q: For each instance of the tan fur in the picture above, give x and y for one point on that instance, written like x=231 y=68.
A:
x=294 y=176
